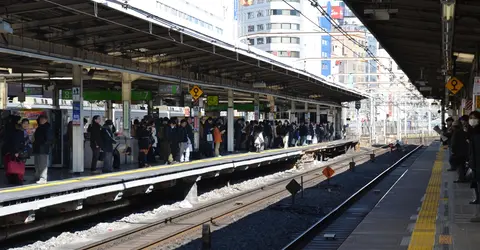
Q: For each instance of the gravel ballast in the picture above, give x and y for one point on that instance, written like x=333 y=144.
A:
x=74 y=239
x=280 y=222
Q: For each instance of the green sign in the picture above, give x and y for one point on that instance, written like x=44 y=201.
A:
x=212 y=100
x=108 y=95
x=239 y=107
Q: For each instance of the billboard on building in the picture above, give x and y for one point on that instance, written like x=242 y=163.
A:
x=337 y=12
x=235 y=9
x=246 y=2
x=326 y=45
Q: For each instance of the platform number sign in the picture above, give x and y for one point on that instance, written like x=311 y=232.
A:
x=454 y=85
x=75 y=94
x=196 y=92
x=358 y=104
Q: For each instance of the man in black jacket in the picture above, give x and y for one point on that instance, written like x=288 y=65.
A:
x=96 y=142
x=41 y=148
x=108 y=141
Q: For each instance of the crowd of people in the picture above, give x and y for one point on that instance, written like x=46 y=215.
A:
x=160 y=141
x=463 y=139
x=171 y=140
x=18 y=147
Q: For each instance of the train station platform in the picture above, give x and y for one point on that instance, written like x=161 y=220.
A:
x=114 y=186
x=425 y=209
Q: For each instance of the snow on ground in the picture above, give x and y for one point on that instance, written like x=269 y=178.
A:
x=102 y=229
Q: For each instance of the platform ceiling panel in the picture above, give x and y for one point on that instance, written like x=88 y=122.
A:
x=413 y=36
x=113 y=33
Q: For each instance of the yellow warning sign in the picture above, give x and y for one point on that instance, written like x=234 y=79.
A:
x=196 y=92
x=454 y=85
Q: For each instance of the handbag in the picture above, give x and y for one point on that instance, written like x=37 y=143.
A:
x=469 y=174
x=209 y=137
x=101 y=156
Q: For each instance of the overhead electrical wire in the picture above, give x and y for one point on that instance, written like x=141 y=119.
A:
x=341 y=30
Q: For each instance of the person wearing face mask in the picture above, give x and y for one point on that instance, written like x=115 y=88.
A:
x=474 y=155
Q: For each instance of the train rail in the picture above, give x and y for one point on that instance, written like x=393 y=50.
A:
x=307 y=236
x=162 y=232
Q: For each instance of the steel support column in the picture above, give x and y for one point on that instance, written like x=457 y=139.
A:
x=230 y=122
x=257 y=106
x=78 y=143
x=3 y=93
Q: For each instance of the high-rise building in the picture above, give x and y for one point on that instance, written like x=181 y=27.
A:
x=275 y=27
x=212 y=18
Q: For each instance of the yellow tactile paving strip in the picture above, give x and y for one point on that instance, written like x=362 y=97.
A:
x=423 y=236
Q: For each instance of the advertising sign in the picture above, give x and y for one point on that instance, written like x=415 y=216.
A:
x=32 y=116
x=246 y=2
x=476 y=85
x=76 y=117
x=337 y=12
x=235 y=10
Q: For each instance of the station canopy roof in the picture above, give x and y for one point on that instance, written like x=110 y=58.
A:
x=412 y=35
x=108 y=40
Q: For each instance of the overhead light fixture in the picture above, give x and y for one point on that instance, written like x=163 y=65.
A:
x=448 y=10
x=464 y=57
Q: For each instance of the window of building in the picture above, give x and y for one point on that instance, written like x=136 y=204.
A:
x=289 y=26
x=324 y=66
x=219 y=30
x=260 y=13
x=250 y=15
x=251 y=41
x=294 y=54
x=284 y=12
x=260 y=27
x=251 y=28
x=286 y=40
x=260 y=40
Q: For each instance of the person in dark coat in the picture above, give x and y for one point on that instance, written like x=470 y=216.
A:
x=96 y=142
x=182 y=138
x=459 y=150
x=42 y=143
x=144 y=142
x=108 y=141
x=238 y=128
x=474 y=153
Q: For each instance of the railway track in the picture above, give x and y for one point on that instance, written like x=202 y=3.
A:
x=168 y=230
x=313 y=234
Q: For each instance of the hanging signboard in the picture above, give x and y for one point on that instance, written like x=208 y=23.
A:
x=477 y=102
x=76 y=94
x=454 y=85
x=212 y=100
x=196 y=92
x=476 y=85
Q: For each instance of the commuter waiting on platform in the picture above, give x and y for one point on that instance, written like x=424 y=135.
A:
x=108 y=142
x=96 y=142
x=459 y=150
x=42 y=143
x=217 y=138
x=474 y=155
